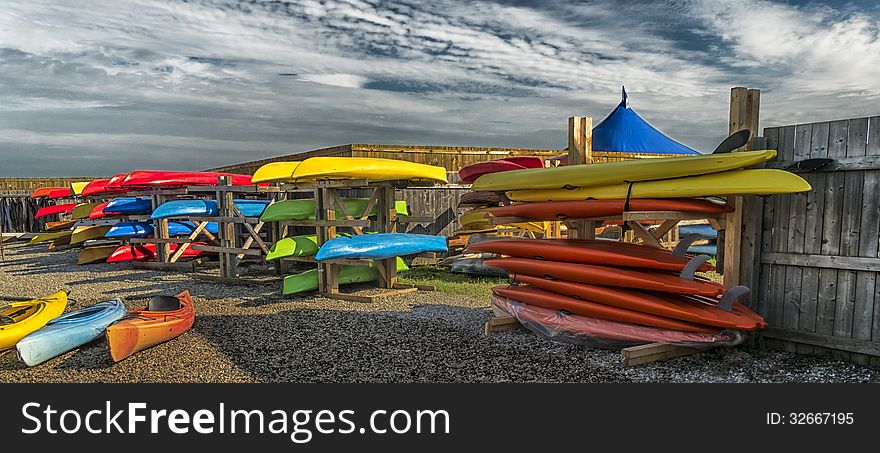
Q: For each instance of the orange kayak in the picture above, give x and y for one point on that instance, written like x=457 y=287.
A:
x=161 y=320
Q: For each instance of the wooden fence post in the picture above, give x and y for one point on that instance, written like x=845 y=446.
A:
x=580 y=152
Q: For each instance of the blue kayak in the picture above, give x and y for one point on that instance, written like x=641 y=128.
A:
x=144 y=229
x=380 y=246
x=69 y=331
x=710 y=249
x=129 y=206
x=184 y=208
x=704 y=230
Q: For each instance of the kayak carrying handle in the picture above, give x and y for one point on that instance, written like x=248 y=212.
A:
x=731 y=296
x=684 y=244
x=691 y=267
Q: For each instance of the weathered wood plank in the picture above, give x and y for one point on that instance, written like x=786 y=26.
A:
x=858 y=163
x=794 y=295
x=842 y=344
x=847 y=263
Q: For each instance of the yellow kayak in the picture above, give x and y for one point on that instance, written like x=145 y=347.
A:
x=274 y=172
x=96 y=254
x=49 y=237
x=18 y=319
x=366 y=168
x=87 y=233
x=82 y=210
x=739 y=182
x=77 y=187
x=475 y=219
x=577 y=176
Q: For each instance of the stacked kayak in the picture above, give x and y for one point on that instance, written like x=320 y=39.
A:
x=96 y=254
x=470 y=173
x=380 y=246
x=342 y=168
x=123 y=230
x=82 y=210
x=147 y=252
x=184 y=208
x=46 y=192
x=18 y=319
x=128 y=206
x=69 y=331
x=88 y=233
x=305 y=245
x=275 y=172
x=162 y=319
x=304 y=209
x=149 y=179
x=308 y=281
x=66 y=208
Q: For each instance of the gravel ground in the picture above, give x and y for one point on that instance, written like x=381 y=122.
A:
x=252 y=334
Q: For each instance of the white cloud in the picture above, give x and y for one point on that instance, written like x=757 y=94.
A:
x=337 y=80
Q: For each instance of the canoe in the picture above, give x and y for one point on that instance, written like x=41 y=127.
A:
x=96 y=254
x=60 y=225
x=128 y=206
x=45 y=191
x=471 y=172
x=274 y=172
x=304 y=209
x=146 y=179
x=49 y=237
x=76 y=188
x=293 y=246
x=185 y=208
x=476 y=219
x=147 y=252
x=666 y=305
x=605 y=253
x=149 y=326
x=69 y=331
x=582 y=209
x=561 y=326
x=82 y=211
x=704 y=230
x=741 y=182
x=546 y=299
x=580 y=176
x=308 y=281
x=481 y=198
x=88 y=233
x=380 y=246
x=608 y=276
x=55 y=209
x=18 y=319
x=475 y=266
x=368 y=168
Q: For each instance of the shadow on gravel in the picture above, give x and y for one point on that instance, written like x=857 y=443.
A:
x=434 y=343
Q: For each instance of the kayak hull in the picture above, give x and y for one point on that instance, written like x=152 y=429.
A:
x=96 y=254
x=55 y=209
x=275 y=172
x=143 y=329
x=29 y=316
x=372 y=169
x=147 y=252
x=308 y=281
x=581 y=209
x=304 y=209
x=380 y=246
x=185 y=208
x=470 y=173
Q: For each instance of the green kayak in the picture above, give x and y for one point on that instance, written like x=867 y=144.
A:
x=308 y=280
x=305 y=209
x=293 y=246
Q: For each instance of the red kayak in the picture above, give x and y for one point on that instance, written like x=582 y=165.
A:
x=146 y=179
x=606 y=253
x=55 y=209
x=553 y=301
x=666 y=305
x=47 y=191
x=99 y=187
x=60 y=193
x=612 y=334
x=470 y=173
x=147 y=252
x=98 y=211
x=607 y=276
x=584 y=209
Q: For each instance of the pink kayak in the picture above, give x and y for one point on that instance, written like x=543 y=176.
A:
x=146 y=179
x=56 y=209
x=470 y=173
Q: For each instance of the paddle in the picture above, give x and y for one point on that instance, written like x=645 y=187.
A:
x=735 y=140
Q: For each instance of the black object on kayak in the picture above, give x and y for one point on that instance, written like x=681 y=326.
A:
x=809 y=164
x=163 y=303
x=734 y=141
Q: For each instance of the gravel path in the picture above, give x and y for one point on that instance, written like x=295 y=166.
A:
x=251 y=334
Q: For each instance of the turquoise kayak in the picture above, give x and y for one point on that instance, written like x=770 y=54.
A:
x=380 y=246
x=69 y=331
x=184 y=208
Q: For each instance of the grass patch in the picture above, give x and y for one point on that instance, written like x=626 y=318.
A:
x=443 y=280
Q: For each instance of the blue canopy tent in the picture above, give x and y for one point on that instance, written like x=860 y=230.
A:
x=624 y=131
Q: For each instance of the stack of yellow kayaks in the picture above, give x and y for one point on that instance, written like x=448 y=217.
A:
x=18 y=319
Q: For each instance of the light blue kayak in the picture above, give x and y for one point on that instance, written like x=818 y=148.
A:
x=145 y=229
x=704 y=230
x=380 y=246
x=184 y=208
x=69 y=331
x=710 y=249
x=129 y=206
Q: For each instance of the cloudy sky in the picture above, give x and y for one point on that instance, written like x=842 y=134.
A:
x=90 y=87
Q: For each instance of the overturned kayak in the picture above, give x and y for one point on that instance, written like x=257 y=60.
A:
x=145 y=229
x=184 y=208
x=55 y=209
x=96 y=254
x=163 y=318
x=306 y=245
x=274 y=172
x=308 y=280
x=129 y=206
x=69 y=331
x=369 y=168
x=380 y=246
x=18 y=319
x=147 y=252
x=304 y=209
x=148 y=179
x=88 y=233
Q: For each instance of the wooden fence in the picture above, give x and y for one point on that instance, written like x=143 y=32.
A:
x=812 y=258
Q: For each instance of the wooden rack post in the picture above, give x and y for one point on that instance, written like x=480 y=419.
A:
x=580 y=152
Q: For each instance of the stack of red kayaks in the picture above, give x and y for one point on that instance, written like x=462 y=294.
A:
x=99 y=187
x=147 y=179
x=55 y=209
x=48 y=191
x=622 y=283
x=470 y=173
x=582 y=209
x=147 y=252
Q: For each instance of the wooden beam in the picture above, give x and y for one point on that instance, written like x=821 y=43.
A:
x=827 y=341
x=172 y=266
x=182 y=248
x=852 y=263
x=653 y=352
x=580 y=140
x=858 y=163
x=666 y=215
x=499 y=323
x=664 y=228
x=227 y=250
x=642 y=233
